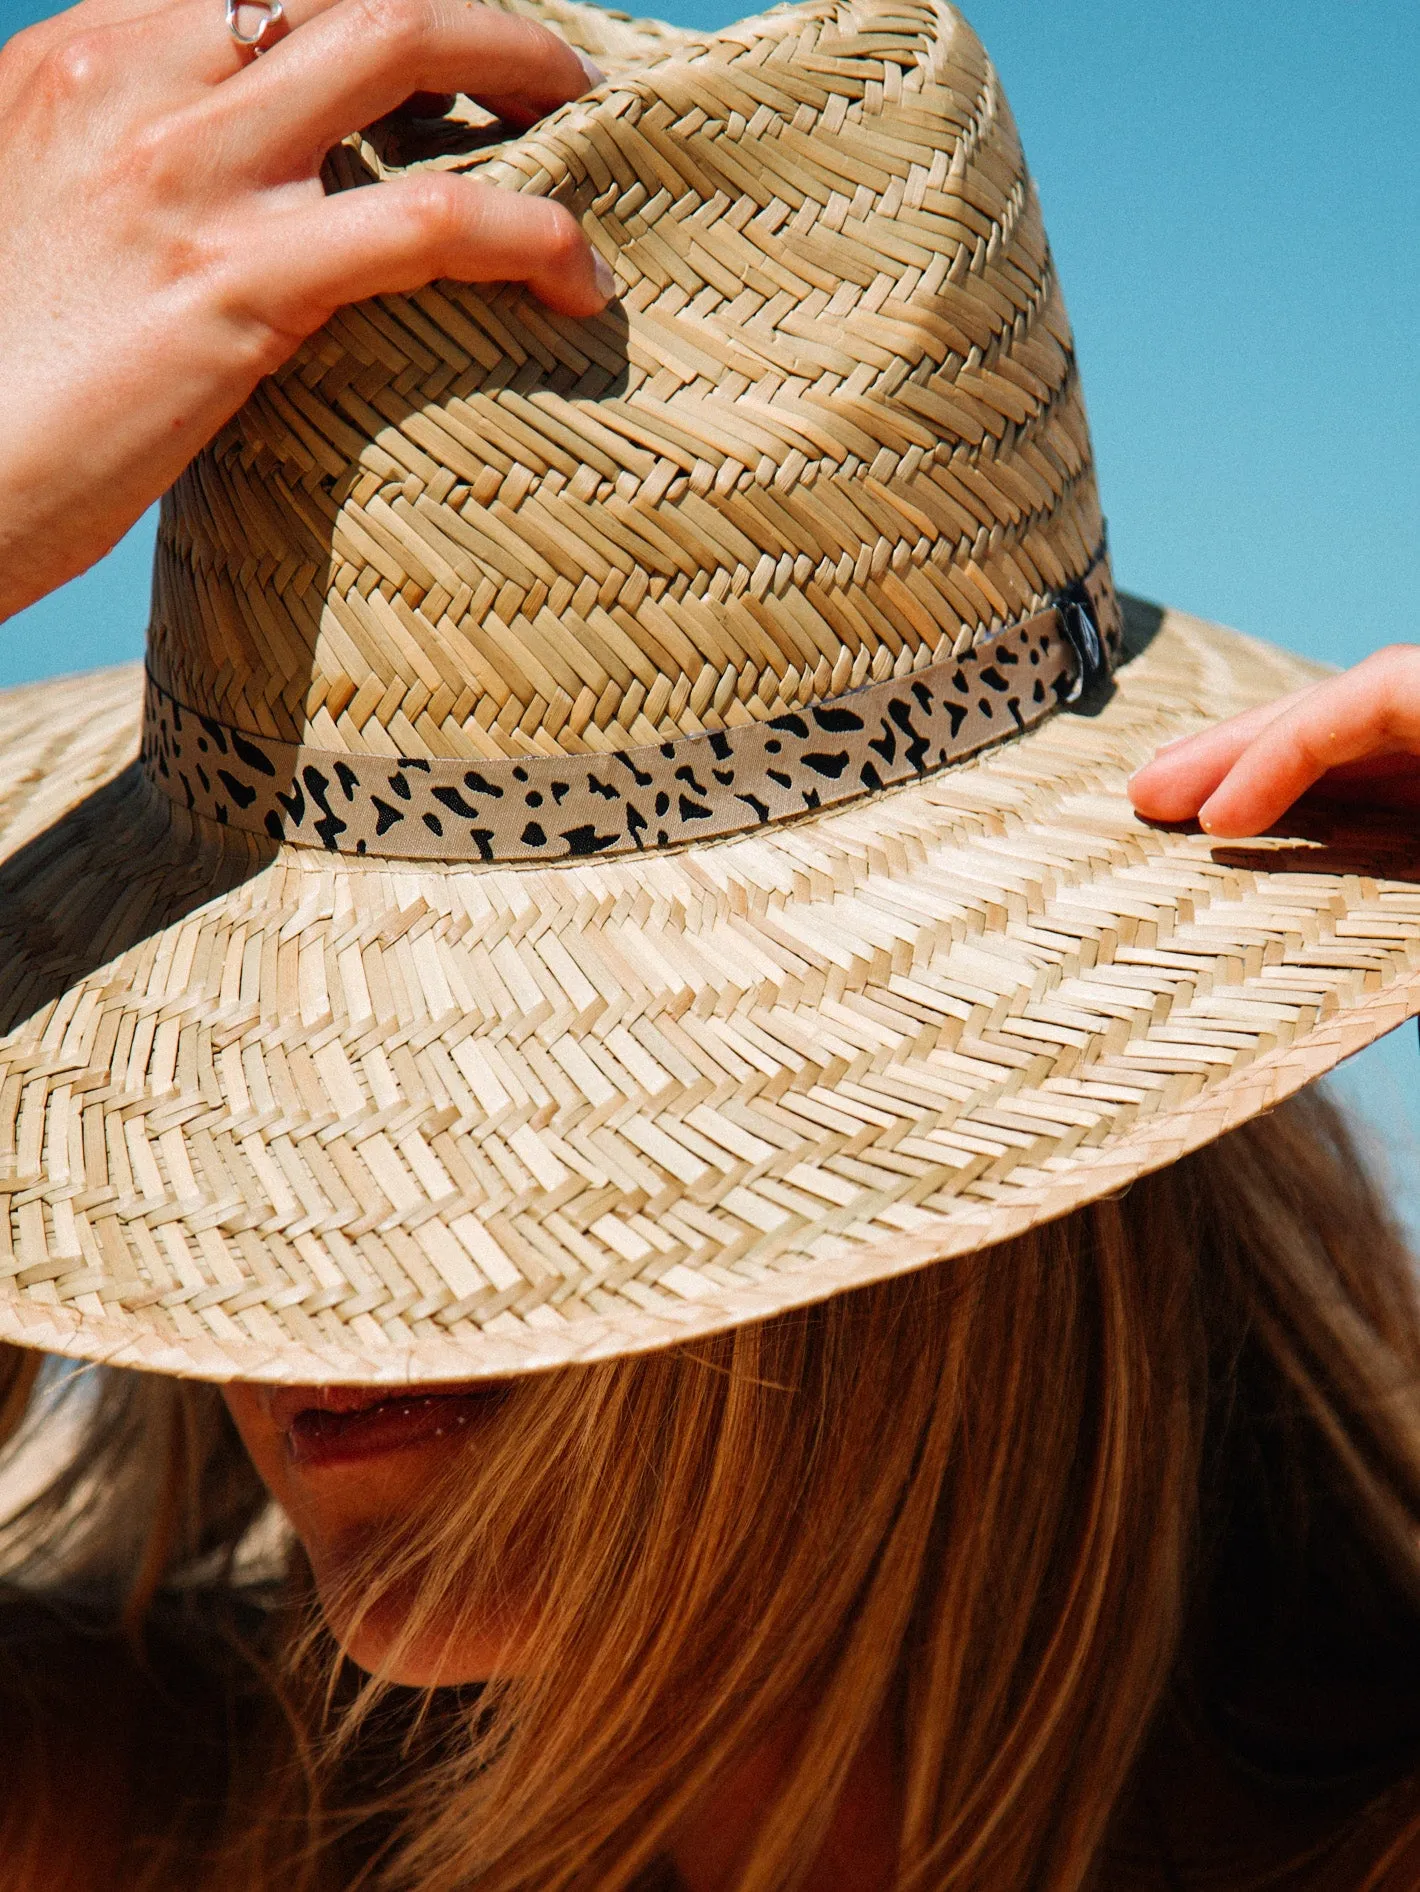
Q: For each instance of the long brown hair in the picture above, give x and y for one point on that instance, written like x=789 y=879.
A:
x=1144 y=1480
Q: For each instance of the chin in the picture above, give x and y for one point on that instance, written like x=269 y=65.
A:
x=424 y=1662
x=378 y=1639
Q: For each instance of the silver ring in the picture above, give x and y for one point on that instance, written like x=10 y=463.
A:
x=271 y=29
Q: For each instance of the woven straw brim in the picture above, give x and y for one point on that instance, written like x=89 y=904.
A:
x=279 y=1114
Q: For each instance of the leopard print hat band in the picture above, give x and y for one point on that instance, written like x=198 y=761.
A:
x=697 y=788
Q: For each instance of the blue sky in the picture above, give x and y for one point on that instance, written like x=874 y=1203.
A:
x=1233 y=195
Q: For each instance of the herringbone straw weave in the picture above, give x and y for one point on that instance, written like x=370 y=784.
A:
x=459 y=526
x=277 y=1110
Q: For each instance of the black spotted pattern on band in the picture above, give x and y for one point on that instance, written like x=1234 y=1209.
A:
x=697 y=788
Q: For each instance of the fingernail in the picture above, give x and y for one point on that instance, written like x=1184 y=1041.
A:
x=603 y=277
x=594 y=73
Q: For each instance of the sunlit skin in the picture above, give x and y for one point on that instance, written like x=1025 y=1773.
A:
x=335 y=1510
x=1353 y=737
x=167 y=240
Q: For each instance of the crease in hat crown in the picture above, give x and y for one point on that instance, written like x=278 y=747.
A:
x=830 y=433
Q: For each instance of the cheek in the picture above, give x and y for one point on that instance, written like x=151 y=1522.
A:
x=263 y=1441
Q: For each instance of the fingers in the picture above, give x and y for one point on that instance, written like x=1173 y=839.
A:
x=357 y=60
x=307 y=262
x=1243 y=776
x=1183 y=774
x=1373 y=710
x=341 y=64
x=173 y=48
x=191 y=38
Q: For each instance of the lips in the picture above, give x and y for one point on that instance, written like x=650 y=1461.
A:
x=332 y=1425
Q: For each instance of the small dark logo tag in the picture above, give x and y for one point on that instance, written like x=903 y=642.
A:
x=1077 y=619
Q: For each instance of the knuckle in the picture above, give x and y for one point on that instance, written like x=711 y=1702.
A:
x=1394 y=657
x=155 y=146
x=259 y=331
x=1313 y=749
x=71 y=67
x=23 y=50
x=155 y=163
x=1396 y=698
x=400 y=26
x=435 y=203
x=260 y=347
x=533 y=46
x=562 y=242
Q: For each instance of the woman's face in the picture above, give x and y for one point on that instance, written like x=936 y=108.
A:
x=346 y=1464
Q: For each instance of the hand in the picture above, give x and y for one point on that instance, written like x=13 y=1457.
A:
x=166 y=241
x=1354 y=737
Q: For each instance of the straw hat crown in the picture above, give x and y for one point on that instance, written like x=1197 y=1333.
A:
x=829 y=433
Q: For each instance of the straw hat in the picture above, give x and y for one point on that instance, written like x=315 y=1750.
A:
x=630 y=831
